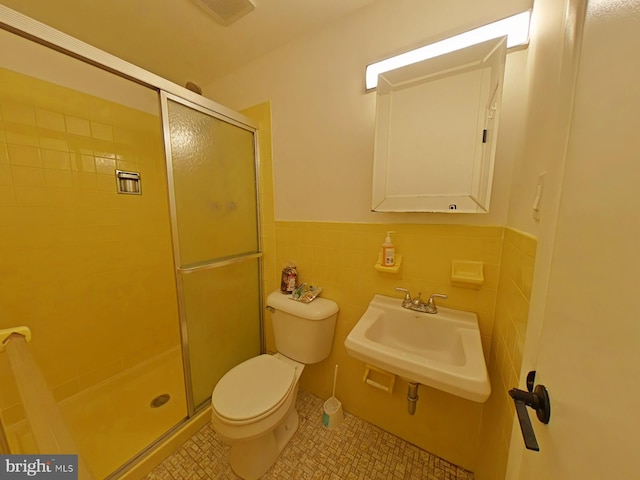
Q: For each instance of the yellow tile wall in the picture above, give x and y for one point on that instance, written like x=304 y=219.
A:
x=512 y=307
x=261 y=115
x=88 y=270
x=340 y=257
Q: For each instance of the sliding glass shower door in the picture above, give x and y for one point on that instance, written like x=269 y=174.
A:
x=212 y=170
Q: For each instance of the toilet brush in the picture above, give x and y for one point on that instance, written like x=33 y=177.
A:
x=333 y=415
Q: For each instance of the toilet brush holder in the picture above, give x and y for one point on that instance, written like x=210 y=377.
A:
x=332 y=416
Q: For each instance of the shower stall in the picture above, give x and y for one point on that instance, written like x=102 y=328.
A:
x=130 y=238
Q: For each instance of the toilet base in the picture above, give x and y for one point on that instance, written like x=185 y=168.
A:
x=251 y=459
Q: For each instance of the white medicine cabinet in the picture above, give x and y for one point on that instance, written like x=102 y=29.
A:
x=436 y=129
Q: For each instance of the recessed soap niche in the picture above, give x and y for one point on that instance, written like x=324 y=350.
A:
x=467 y=274
x=128 y=182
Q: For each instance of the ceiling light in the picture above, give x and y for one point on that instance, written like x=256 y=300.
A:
x=515 y=27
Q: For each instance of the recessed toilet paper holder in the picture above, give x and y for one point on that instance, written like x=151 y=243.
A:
x=537 y=398
x=379 y=379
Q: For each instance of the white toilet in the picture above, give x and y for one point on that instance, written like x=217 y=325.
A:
x=253 y=404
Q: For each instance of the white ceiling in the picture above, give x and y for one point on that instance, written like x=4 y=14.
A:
x=176 y=39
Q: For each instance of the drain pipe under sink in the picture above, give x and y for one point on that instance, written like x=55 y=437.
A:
x=412 y=397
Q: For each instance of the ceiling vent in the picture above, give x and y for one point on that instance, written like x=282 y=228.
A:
x=225 y=12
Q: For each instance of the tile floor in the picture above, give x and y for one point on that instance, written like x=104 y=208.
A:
x=354 y=450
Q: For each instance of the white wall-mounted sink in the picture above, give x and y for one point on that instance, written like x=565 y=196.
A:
x=441 y=350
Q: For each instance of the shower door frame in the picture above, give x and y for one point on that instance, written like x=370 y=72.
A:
x=30 y=29
x=192 y=408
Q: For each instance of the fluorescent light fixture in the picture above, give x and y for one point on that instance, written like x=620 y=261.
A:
x=515 y=27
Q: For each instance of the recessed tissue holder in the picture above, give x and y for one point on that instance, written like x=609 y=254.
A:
x=378 y=378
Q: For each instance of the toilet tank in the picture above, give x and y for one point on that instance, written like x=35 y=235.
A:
x=303 y=331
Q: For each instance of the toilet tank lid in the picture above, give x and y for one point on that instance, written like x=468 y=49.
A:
x=319 y=309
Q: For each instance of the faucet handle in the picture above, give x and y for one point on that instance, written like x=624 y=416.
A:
x=437 y=295
x=407 y=296
x=431 y=303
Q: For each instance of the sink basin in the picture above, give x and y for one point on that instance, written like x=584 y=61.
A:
x=441 y=350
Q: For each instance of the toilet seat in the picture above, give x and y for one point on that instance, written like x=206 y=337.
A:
x=253 y=389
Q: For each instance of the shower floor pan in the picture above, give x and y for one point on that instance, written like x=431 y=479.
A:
x=113 y=421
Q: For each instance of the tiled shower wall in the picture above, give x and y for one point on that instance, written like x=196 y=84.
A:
x=88 y=270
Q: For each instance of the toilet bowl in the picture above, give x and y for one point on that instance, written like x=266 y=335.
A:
x=253 y=404
x=253 y=410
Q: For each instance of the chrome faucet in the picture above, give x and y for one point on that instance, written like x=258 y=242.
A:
x=418 y=304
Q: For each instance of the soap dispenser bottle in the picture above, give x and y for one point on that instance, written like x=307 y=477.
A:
x=388 y=252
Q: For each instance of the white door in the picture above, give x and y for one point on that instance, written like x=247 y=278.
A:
x=589 y=351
